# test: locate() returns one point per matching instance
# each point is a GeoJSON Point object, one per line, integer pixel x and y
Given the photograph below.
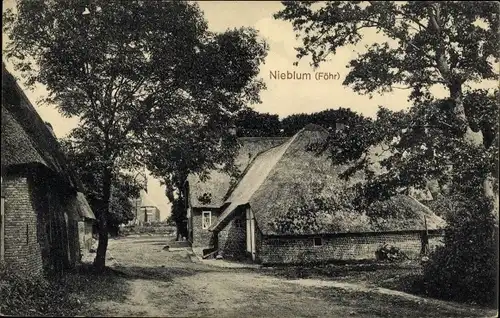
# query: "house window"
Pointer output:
{"type": "Point", "coordinates": [206, 219]}
{"type": "Point", "coordinates": [318, 241]}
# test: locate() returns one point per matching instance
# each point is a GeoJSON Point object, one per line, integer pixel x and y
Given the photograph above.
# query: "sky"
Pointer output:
{"type": "Point", "coordinates": [282, 97]}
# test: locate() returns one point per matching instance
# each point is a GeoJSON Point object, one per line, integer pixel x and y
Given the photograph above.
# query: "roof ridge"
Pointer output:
{"type": "Point", "coordinates": [26, 108]}
{"type": "Point", "coordinates": [312, 127]}
{"type": "Point", "coordinates": [226, 211]}
{"type": "Point", "coordinates": [424, 207]}
{"type": "Point", "coordinates": [250, 164]}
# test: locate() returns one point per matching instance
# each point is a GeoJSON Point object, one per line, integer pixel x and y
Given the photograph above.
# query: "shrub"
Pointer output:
{"type": "Point", "coordinates": [389, 253]}
{"type": "Point", "coordinates": [464, 268]}
{"type": "Point", "coordinates": [33, 295]}
{"type": "Point", "coordinates": [154, 228]}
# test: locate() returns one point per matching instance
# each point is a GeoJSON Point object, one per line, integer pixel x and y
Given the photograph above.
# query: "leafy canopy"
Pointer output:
{"type": "Point", "coordinates": [426, 43]}
{"type": "Point", "coordinates": [124, 186]}
{"type": "Point", "coordinates": [132, 65]}
{"type": "Point", "coordinates": [139, 75]}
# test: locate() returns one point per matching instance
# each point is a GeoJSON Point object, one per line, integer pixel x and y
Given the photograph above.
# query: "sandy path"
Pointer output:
{"type": "Point", "coordinates": [170, 284]}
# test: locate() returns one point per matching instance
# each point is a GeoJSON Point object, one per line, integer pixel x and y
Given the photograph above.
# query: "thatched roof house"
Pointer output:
{"type": "Point", "coordinates": [38, 184]}
{"type": "Point", "coordinates": [284, 179]}
{"type": "Point", "coordinates": [218, 184]}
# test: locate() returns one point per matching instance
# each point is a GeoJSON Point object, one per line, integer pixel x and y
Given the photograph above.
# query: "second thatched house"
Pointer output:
{"type": "Point", "coordinates": [258, 217]}
{"type": "Point", "coordinates": [46, 222]}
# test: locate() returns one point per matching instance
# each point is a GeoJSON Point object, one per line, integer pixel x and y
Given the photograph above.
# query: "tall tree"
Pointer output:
{"type": "Point", "coordinates": [328, 119]}
{"type": "Point", "coordinates": [129, 70]}
{"type": "Point", "coordinates": [251, 123]}
{"type": "Point", "coordinates": [200, 138]}
{"type": "Point", "coordinates": [449, 144]}
{"type": "Point", "coordinates": [124, 186]}
{"type": "Point", "coordinates": [446, 43]}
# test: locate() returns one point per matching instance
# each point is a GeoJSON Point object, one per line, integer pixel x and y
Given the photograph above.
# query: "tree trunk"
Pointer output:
{"type": "Point", "coordinates": [178, 231]}
{"type": "Point", "coordinates": [100, 259]}
{"type": "Point", "coordinates": [475, 139]}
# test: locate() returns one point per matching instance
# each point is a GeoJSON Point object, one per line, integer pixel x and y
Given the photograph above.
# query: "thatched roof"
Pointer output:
{"type": "Point", "coordinates": [27, 140]}
{"type": "Point", "coordinates": [17, 146]}
{"type": "Point", "coordinates": [29, 124]}
{"type": "Point", "coordinates": [281, 178]}
{"type": "Point", "coordinates": [82, 206]}
{"type": "Point", "coordinates": [219, 183]}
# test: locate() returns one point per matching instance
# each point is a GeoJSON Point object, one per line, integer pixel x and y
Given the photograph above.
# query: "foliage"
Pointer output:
{"type": "Point", "coordinates": [315, 212]}
{"type": "Point", "coordinates": [420, 39]}
{"type": "Point", "coordinates": [157, 228]}
{"type": "Point", "coordinates": [405, 140]}
{"type": "Point", "coordinates": [30, 295]}
{"type": "Point", "coordinates": [466, 267]}
{"type": "Point", "coordinates": [251, 123]}
{"type": "Point", "coordinates": [170, 220]}
{"type": "Point", "coordinates": [254, 124]}
{"type": "Point", "coordinates": [124, 187]}
{"type": "Point", "coordinates": [145, 78]}
{"type": "Point", "coordinates": [442, 205]}
{"type": "Point", "coordinates": [426, 54]}
{"type": "Point", "coordinates": [390, 253]}
{"type": "Point", "coordinates": [67, 294]}
{"type": "Point", "coordinates": [327, 119]}
{"type": "Point", "coordinates": [451, 143]}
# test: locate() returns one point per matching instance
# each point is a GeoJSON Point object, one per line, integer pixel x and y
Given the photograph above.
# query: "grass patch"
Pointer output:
{"type": "Point", "coordinates": [366, 272]}
{"type": "Point", "coordinates": [405, 276]}
{"type": "Point", "coordinates": [69, 294]}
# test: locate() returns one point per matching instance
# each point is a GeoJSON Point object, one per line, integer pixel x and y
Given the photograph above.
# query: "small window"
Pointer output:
{"type": "Point", "coordinates": [318, 241]}
{"type": "Point", "coordinates": [206, 220]}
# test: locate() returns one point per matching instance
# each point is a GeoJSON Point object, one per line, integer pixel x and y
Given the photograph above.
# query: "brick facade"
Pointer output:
{"type": "Point", "coordinates": [232, 244]}
{"type": "Point", "coordinates": [258, 244]}
{"type": "Point", "coordinates": [334, 248]}
{"type": "Point", "coordinates": [40, 227]}
{"type": "Point", "coordinates": [232, 239]}
{"type": "Point", "coordinates": [22, 249]}
{"type": "Point", "coordinates": [202, 237]}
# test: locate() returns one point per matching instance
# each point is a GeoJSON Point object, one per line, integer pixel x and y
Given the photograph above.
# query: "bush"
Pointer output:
{"type": "Point", "coordinates": [390, 253]}
{"type": "Point", "coordinates": [465, 268]}
{"type": "Point", "coordinates": [33, 295]}
{"type": "Point", "coordinates": [153, 228]}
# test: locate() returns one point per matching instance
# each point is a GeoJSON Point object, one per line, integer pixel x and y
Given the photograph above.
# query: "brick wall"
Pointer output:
{"type": "Point", "coordinates": [22, 248]}
{"type": "Point", "coordinates": [202, 237]}
{"type": "Point", "coordinates": [258, 244]}
{"type": "Point", "coordinates": [232, 239]}
{"type": "Point", "coordinates": [302, 249]}
{"type": "Point", "coordinates": [40, 228]}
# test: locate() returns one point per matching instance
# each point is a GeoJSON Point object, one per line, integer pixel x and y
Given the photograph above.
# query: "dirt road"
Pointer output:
{"type": "Point", "coordinates": [174, 284]}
